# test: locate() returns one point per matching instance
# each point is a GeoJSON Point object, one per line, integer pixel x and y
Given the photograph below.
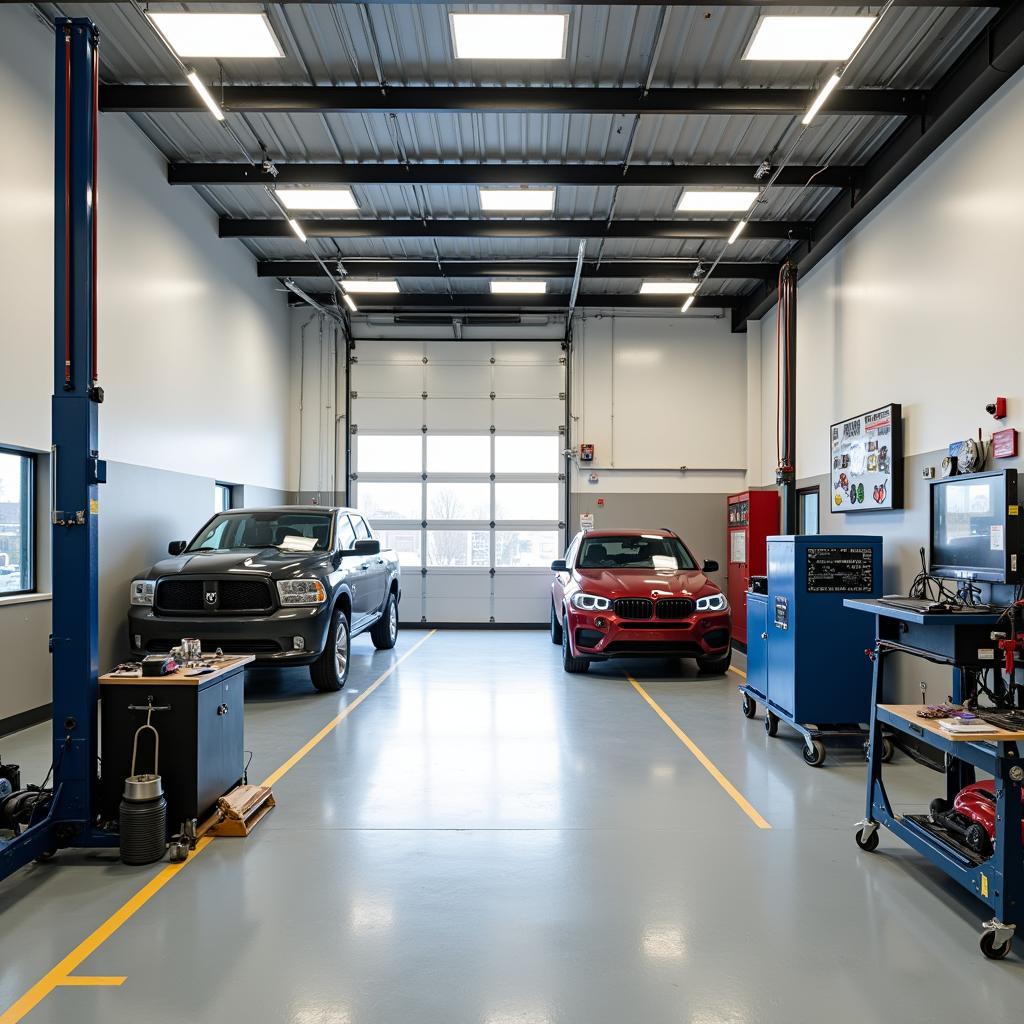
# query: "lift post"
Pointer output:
{"type": "Point", "coordinates": [68, 817]}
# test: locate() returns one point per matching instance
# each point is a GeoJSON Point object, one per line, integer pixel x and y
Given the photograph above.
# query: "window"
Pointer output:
{"type": "Point", "coordinates": [346, 535]}
{"type": "Point", "coordinates": [634, 552]}
{"type": "Point", "coordinates": [223, 499]}
{"type": "Point", "coordinates": [287, 530]}
{"type": "Point", "coordinates": [527, 454]}
{"type": "Point", "coordinates": [388, 453]}
{"type": "Point", "coordinates": [359, 525]}
{"type": "Point", "coordinates": [458, 453]}
{"type": "Point", "coordinates": [16, 545]}
{"type": "Point", "coordinates": [807, 510]}
{"type": "Point", "coordinates": [386, 500]}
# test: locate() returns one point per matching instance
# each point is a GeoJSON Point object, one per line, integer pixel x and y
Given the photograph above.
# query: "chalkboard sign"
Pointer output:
{"type": "Point", "coordinates": [840, 570]}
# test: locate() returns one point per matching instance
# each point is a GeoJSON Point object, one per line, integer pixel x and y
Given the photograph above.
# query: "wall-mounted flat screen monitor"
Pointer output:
{"type": "Point", "coordinates": [976, 532]}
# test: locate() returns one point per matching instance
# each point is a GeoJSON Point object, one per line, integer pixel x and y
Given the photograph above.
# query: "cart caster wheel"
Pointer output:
{"type": "Point", "coordinates": [178, 852]}
{"type": "Point", "coordinates": [938, 806]}
{"type": "Point", "coordinates": [870, 844]}
{"type": "Point", "coordinates": [991, 950]}
{"type": "Point", "coordinates": [977, 840]}
{"type": "Point", "coordinates": [888, 749]}
{"type": "Point", "coordinates": [46, 856]}
{"type": "Point", "coordinates": [814, 755]}
{"type": "Point", "coordinates": [749, 707]}
{"type": "Point", "coordinates": [771, 723]}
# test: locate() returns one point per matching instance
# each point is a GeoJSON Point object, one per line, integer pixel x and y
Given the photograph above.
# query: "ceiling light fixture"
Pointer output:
{"type": "Point", "coordinates": [196, 82]}
{"type": "Point", "coordinates": [509, 36]}
{"type": "Point", "coordinates": [688, 303]}
{"type": "Point", "coordinates": [519, 287]}
{"type": "Point", "coordinates": [519, 200]}
{"type": "Point", "coordinates": [350, 302]}
{"type": "Point", "coordinates": [318, 198]}
{"type": "Point", "coordinates": [297, 228]}
{"type": "Point", "coordinates": [787, 37]}
{"type": "Point", "coordinates": [370, 286]}
{"type": "Point", "coordinates": [668, 287]}
{"type": "Point", "coordinates": [819, 100]}
{"type": "Point", "coordinates": [192, 34]}
{"type": "Point", "coordinates": [736, 231]}
{"type": "Point", "coordinates": [734, 200]}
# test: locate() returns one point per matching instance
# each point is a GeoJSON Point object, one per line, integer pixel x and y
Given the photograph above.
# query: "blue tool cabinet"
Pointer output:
{"type": "Point", "coordinates": [806, 660]}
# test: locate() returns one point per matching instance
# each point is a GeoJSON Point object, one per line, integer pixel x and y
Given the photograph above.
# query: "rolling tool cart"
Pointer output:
{"type": "Point", "coordinates": [752, 517]}
{"type": "Point", "coordinates": [805, 651]}
{"type": "Point", "coordinates": [965, 642]}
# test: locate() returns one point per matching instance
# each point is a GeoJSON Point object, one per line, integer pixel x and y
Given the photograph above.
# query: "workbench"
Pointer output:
{"type": "Point", "coordinates": [961, 640]}
{"type": "Point", "coordinates": [200, 721]}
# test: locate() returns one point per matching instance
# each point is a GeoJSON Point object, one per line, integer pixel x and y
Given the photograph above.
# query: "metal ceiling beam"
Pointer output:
{"type": "Point", "coordinates": [649, 270]}
{"type": "Point", "coordinates": [995, 55]}
{"type": "Point", "coordinates": [787, 4]}
{"type": "Point", "coordinates": [316, 99]}
{"type": "Point", "coordinates": [441, 300]}
{"type": "Point", "coordinates": [676, 175]}
{"type": "Point", "coordinates": [232, 227]}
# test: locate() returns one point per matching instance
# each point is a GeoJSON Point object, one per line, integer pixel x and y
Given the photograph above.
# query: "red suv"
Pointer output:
{"type": "Point", "coordinates": [637, 593]}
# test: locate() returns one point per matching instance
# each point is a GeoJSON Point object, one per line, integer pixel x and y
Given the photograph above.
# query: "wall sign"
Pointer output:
{"type": "Point", "coordinates": [840, 570]}
{"type": "Point", "coordinates": [866, 460]}
{"type": "Point", "coordinates": [586, 521]}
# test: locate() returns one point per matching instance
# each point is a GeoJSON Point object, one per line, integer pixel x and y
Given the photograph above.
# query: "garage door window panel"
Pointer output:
{"type": "Point", "coordinates": [459, 549]}
{"type": "Point", "coordinates": [390, 454]}
{"type": "Point", "coordinates": [458, 500]}
{"type": "Point", "coordinates": [525, 549]}
{"type": "Point", "coordinates": [383, 500]}
{"type": "Point", "coordinates": [458, 453]}
{"type": "Point", "coordinates": [527, 502]}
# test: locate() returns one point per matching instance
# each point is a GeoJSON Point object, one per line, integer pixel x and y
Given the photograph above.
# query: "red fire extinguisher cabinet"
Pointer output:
{"type": "Point", "coordinates": [752, 518]}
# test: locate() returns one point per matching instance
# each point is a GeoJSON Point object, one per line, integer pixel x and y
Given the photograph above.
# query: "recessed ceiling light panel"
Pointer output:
{"type": "Point", "coordinates": [509, 36]}
{"type": "Point", "coordinates": [210, 34]}
{"type": "Point", "coordinates": [734, 200]}
{"type": "Point", "coordinates": [369, 286]}
{"type": "Point", "coordinates": [815, 38]}
{"type": "Point", "coordinates": [317, 198]}
{"type": "Point", "coordinates": [668, 287]}
{"type": "Point", "coordinates": [519, 287]}
{"type": "Point", "coordinates": [517, 200]}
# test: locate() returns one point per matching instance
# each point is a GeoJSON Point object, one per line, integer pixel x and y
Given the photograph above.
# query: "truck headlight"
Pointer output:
{"type": "Point", "coordinates": [292, 592]}
{"type": "Point", "coordinates": [712, 603]}
{"type": "Point", "coordinates": [589, 602]}
{"type": "Point", "coordinates": [142, 592]}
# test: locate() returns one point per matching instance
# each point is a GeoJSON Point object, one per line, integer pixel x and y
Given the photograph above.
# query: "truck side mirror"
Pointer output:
{"type": "Point", "coordinates": [710, 565]}
{"type": "Point", "coordinates": [176, 547]}
{"type": "Point", "coordinates": [366, 546]}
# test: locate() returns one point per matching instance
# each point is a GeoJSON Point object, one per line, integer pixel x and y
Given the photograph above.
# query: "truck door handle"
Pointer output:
{"type": "Point", "coordinates": [380, 561]}
{"type": "Point", "coordinates": [365, 565]}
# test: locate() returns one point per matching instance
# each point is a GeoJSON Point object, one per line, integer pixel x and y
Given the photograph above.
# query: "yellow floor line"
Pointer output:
{"type": "Point", "coordinates": [738, 671]}
{"type": "Point", "coordinates": [91, 979]}
{"type": "Point", "coordinates": [61, 974]}
{"type": "Point", "coordinates": [741, 801]}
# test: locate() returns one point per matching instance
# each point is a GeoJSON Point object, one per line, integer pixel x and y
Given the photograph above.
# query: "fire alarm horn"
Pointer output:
{"type": "Point", "coordinates": [997, 409]}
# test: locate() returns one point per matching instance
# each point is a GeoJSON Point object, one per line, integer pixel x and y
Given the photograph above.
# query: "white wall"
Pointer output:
{"type": "Point", "coordinates": [193, 347]}
{"type": "Point", "coordinates": [659, 393]}
{"type": "Point", "coordinates": [920, 305]}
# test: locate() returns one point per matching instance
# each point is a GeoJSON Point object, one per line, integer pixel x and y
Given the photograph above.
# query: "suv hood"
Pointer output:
{"type": "Point", "coordinates": [270, 562]}
{"type": "Point", "coordinates": [646, 583]}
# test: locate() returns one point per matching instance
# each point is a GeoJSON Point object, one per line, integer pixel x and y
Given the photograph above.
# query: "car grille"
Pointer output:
{"type": "Point", "coordinates": [634, 608]}
{"type": "Point", "coordinates": [679, 648]}
{"type": "Point", "coordinates": [674, 608]}
{"type": "Point", "coordinates": [187, 595]}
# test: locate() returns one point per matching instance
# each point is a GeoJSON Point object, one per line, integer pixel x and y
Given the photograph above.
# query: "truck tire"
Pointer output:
{"type": "Point", "coordinates": [385, 630]}
{"type": "Point", "coordinates": [330, 671]}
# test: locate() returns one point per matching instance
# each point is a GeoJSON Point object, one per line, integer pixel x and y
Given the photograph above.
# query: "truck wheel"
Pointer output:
{"type": "Point", "coordinates": [716, 666]}
{"type": "Point", "coordinates": [330, 671]}
{"type": "Point", "coordinates": [556, 629]}
{"type": "Point", "coordinates": [385, 631]}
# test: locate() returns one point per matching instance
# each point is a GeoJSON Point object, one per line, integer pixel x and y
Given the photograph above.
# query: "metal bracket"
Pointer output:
{"type": "Point", "coordinates": [1001, 933]}
{"type": "Point", "coordinates": [867, 828]}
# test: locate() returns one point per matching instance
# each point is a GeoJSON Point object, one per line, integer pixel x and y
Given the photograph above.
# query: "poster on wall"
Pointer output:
{"type": "Point", "coordinates": [866, 457]}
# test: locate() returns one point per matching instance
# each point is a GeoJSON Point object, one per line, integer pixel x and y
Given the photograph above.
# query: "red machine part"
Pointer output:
{"type": "Point", "coordinates": [751, 518]}
{"type": "Point", "coordinates": [978, 802]}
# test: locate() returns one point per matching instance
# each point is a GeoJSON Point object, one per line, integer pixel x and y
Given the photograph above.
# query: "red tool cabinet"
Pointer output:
{"type": "Point", "coordinates": [753, 517]}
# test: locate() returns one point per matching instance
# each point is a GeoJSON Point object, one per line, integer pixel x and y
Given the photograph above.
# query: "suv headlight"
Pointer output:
{"type": "Point", "coordinates": [293, 592]}
{"type": "Point", "coordinates": [712, 603]}
{"type": "Point", "coordinates": [589, 602]}
{"type": "Point", "coordinates": [142, 591]}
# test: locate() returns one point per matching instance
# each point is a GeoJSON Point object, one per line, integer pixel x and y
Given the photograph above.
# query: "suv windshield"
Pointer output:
{"type": "Point", "coordinates": [296, 531]}
{"type": "Point", "coordinates": [648, 551]}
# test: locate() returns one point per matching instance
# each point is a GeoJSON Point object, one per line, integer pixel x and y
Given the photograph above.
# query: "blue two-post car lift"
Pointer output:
{"type": "Point", "coordinates": [998, 880]}
{"type": "Point", "coordinates": [67, 817]}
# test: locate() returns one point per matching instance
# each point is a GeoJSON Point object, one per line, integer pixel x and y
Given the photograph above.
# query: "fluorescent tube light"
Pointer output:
{"type": "Point", "coordinates": [509, 36]}
{"type": "Point", "coordinates": [734, 200]}
{"type": "Point", "coordinates": [350, 302]}
{"type": "Point", "coordinates": [218, 35]}
{"type": "Point", "coordinates": [521, 200]}
{"type": "Point", "coordinates": [819, 100]}
{"type": "Point", "coordinates": [688, 303]}
{"type": "Point", "coordinates": [518, 287]}
{"type": "Point", "coordinates": [297, 228]}
{"type": "Point", "coordinates": [369, 286]}
{"type": "Point", "coordinates": [204, 94]}
{"type": "Point", "coordinates": [787, 37]}
{"type": "Point", "coordinates": [668, 287]}
{"type": "Point", "coordinates": [736, 231]}
{"type": "Point", "coordinates": [318, 198]}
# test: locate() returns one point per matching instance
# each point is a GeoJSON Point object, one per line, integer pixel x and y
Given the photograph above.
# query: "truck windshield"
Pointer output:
{"type": "Point", "coordinates": [296, 531]}
{"type": "Point", "coordinates": [648, 551]}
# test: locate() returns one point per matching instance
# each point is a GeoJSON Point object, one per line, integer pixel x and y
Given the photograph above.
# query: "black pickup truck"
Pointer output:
{"type": "Point", "coordinates": [290, 585]}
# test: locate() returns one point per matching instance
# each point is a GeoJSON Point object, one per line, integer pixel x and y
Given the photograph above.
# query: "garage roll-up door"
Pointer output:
{"type": "Point", "coordinates": [457, 462]}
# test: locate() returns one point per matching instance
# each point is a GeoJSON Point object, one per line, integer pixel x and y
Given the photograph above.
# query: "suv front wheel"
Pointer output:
{"type": "Point", "coordinates": [330, 671]}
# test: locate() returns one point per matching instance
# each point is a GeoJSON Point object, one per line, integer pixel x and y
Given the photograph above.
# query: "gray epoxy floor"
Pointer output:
{"type": "Point", "coordinates": [488, 841]}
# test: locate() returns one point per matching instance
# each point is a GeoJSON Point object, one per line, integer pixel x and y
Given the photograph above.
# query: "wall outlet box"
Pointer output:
{"type": "Point", "coordinates": [928, 473]}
